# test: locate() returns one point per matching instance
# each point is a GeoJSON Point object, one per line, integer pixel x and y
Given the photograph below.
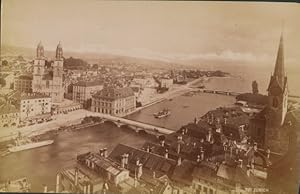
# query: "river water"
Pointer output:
{"type": "Point", "coordinates": [40, 165]}
{"type": "Point", "coordinates": [183, 109]}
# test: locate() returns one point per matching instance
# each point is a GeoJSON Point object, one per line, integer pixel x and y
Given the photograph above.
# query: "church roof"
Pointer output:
{"type": "Point", "coordinates": [278, 78]}
{"type": "Point", "coordinates": [279, 65]}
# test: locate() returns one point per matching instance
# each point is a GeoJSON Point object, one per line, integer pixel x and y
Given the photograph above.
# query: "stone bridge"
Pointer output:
{"type": "Point", "coordinates": [228, 93]}
{"type": "Point", "coordinates": [135, 125]}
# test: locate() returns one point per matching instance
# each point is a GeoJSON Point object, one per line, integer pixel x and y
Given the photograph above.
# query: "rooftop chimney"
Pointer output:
{"type": "Point", "coordinates": [198, 158]}
{"type": "Point", "coordinates": [76, 177]}
{"type": "Point", "coordinates": [45, 189]}
{"type": "Point", "coordinates": [167, 153]}
{"type": "Point", "coordinates": [139, 170]}
{"type": "Point", "coordinates": [105, 152]}
{"type": "Point", "coordinates": [240, 163]}
{"type": "Point", "coordinates": [179, 161]}
{"type": "Point", "coordinates": [57, 183]}
{"type": "Point", "coordinates": [268, 153]}
{"type": "Point", "coordinates": [202, 154]}
{"type": "Point", "coordinates": [225, 120]}
{"type": "Point", "coordinates": [178, 147]}
{"type": "Point", "coordinates": [101, 152]}
{"type": "Point", "coordinates": [153, 174]}
{"type": "Point", "coordinates": [123, 161]}
{"type": "Point", "coordinates": [162, 143]}
{"type": "Point", "coordinates": [126, 159]}
{"type": "Point", "coordinates": [148, 149]}
{"type": "Point", "coordinates": [248, 170]}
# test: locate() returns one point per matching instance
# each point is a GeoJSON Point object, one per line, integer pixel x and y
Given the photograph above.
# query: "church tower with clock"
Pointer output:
{"type": "Point", "coordinates": [38, 68]}
{"type": "Point", "coordinates": [58, 74]}
{"type": "Point", "coordinates": [275, 133]}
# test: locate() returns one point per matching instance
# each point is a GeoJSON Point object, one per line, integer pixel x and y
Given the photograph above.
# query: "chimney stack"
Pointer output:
{"type": "Point", "coordinates": [179, 161]}
{"type": "Point", "coordinates": [240, 162]}
{"type": "Point", "coordinates": [139, 170]}
{"type": "Point", "coordinates": [123, 161]}
{"type": "Point", "coordinates": [45, 189]}
{"type": "Point", "coordinates": [268, 153]}
{"type": "Point", "coordinates": [126, 159]}
{"type": "Point", "coordinates": [225, 120]}
{"type": "Point", "coordinates": [153, 174]}
{"type": "Point", "coordinates": [105, 152]}
{"type": "Point", "coordinates": [148, 149]}
{"type": "Point", "coordinates": [167, 153]}
{"type": "Point", "coordinates": [57, 183]}
{"type": "Point", "coordinates": [198, 159]}
{"type": "Point", "coordinates": [76, 177]}
{"type": "Point", "coordinates": [202, 154]}
{"type": "Point", "coordinates": [248, 170]}
{"type": "Point", "coordinates": [101, 152]}
{"type": "Point", "coordinates": [178, 147]}
{"type": "Point", "coordinates": [162, 143]}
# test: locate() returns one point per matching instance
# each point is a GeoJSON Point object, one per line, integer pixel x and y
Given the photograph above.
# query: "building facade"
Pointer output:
{"type": "Point", "coordinates": [166, 83]}
{"type": "Point", "coordinates": [35, 107]}
{"type": "Point", "coordinates": [49, 80]}
{"type": "Point", "coordinates": [83, 91]}
{"type": "Point", "coordinates": [23, 83]}
{"type": "Point", "coordinates": [9, 116]}
{"type": "Point", "coordinates": [114, 101]}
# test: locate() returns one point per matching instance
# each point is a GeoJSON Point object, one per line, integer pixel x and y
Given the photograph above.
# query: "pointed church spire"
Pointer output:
{"type": "Point", "coordinates": [279, 72]}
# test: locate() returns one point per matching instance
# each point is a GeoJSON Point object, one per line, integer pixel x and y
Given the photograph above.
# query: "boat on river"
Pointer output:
{"type": "Point", "coordinates": [161, 114]}
{"type": "Point", "coordinates": [25, 143]}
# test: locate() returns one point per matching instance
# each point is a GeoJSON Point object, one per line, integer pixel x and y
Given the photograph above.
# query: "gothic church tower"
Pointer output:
{"type": "Point", "coordinates": [275, 134]}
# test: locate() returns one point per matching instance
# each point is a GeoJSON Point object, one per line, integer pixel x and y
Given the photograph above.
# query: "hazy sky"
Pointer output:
{"type": "Point", "coordinates": [165, 30]}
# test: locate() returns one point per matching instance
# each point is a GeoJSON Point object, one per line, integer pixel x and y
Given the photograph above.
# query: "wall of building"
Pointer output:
{"type": "Point", "coordinates": [34, 107]}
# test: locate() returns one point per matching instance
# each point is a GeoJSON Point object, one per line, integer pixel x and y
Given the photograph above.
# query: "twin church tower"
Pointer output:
{"type": "Point", "coordinates": [49, 80]}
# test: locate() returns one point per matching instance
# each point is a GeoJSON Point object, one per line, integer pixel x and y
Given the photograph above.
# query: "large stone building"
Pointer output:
{"type": "Point", "coordinates": [114, 101]}
{"type": "Point", "coordinates": [35, 107]}
{"type": "Point", "coordinates": [49, 80]}
{"type": "Point", "coordinates": [9, 115]}
{"type": "Point", "coordinates": [23, 83]}
{"type": "Point", "coordinates": [83, 91]}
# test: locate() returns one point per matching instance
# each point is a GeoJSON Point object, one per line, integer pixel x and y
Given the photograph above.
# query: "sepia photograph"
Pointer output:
{"type": "Point", "coordinates": [150, 97]}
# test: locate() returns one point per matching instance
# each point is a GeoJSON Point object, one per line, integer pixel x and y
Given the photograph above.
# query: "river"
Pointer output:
{"type": "Point", "coordinates": [183, 109]}
{"type": "Point", "coordinates": [40, 165]}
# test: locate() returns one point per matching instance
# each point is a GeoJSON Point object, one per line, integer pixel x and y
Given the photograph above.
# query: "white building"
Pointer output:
{"type": "Point", "coordinates": [166, 82]}
{"type": "Point", "coordinates": [35, 107]}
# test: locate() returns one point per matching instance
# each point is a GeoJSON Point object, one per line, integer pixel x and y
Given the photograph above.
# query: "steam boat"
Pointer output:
{"type": "Point", "coordinates": [23, 143]}
{"type": "Point", "coordinates": [161, 114]}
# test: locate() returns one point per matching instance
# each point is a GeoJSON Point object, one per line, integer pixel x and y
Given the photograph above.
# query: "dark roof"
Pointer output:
{"type": "Point", "coordinates": [114, 93]}
{"type": "Point", "coordinates": [182, 173]}
{"type": "Point", "coordinates": [238, 175]}
{"type": "Point", "coordinates": [88, 83]}
{"type": "Point", "coordinates": [151, 162]}
{"type": "Point", "coordinates": [8, 108]}
{"type": "Point", "coordinates": [25, 96]}
{"type": "Point", "coordinates": [25, 77]}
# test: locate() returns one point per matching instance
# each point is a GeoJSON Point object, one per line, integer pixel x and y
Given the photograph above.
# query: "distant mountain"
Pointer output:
{"type": "Point", "coordinates": [90, 57]}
